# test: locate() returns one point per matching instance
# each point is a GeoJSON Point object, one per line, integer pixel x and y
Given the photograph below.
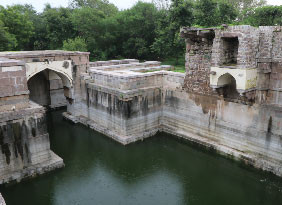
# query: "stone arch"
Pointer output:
{"type": "Point", "coordinates": [61, 68]}
{"type": "Point", "coordinates": [227, 86]}
{"type": "Point", "coordinates": [45, 92]}
{"type": "Point", "coordinates": [67, 81]}
{"type": "Point", "coordinates": [225, 79]}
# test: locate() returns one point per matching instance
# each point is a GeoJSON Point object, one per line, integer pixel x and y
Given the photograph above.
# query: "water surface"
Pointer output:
{"type": "Point", "coordinates": [159, 170]}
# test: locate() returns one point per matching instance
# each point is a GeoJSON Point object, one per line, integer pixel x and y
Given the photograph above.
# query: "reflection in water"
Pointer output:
{"type": "Point", "coordinates": [159, 170]}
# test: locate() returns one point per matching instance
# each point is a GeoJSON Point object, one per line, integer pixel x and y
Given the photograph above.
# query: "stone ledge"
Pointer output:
{"type": "Point", "coordinates": [32, 171]}
{"type": "Point", "coordinates": [45, 53]}
{"type": "Point", "coordinates": [125, 140]}
{"type": "Point", "coordinates": [33, 108]}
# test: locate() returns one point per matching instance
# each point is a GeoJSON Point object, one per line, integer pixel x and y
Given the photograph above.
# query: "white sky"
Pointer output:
{"type": "Point", "coordinates": [121, 4]}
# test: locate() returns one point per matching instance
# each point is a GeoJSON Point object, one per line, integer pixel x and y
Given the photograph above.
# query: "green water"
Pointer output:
{"type": "Point", "coordinates": [159, 170]}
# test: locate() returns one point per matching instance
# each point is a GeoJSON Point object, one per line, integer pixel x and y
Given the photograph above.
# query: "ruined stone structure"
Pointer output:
{"type": "Point", "coordinates": [50, 74]}
{"type": "Point", "coordinates": [24, 140]}
{"type": "Point", "coordinates": [229, 99]}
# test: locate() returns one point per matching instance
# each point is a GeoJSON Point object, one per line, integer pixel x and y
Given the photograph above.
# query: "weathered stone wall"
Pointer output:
{"type": "Point", "coordinates": [270, 67]}
{"type": "Point", "coordinates": [2, 201]}
{"type": "Point", "coordinates": [248, 38]}
{"type": "Point", "coordinates": [248, 133]}
{"type": "Point", "coordinates": [79, 64]}
{"type": "Point", "coordinates": [24, 141]}
{"type": "Point", "coordinates": [13, 87]}
{"type": "Point", "coordinates": [57, 96]}
{"type": "Point", "coordinates": [198, 62]}
{"type": "Point", "coordinates": [25, 144]}
{"type": "Point", "coordinates": [131, 106]}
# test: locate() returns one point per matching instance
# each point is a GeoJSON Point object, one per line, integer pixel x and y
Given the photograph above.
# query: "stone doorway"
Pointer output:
{"type": "Point", "coordinates": [230, 51]}
{"type": "Point", "coordinates": [227, 87]}
{"type": "Point", "coordinates": [46, 88]}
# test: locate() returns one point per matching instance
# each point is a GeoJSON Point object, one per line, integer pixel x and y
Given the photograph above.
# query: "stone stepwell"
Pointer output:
{"type": "Point", "coordinates": [229, 99]}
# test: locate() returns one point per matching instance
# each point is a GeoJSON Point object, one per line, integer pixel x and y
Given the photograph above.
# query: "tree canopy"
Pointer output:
{"type": "Point", "coordinates": [145, 31]}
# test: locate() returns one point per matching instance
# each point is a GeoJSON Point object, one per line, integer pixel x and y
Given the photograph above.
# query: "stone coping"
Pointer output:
{"type": "Point", "coordinates": [54, 162]}
{"type": "Point", "coordinates": [6, 62]}
{"type": "Point", "coordinates": [131, 74]}
{"type": "Point", "coordinates": [46, 53]}
{"type": "Point", "coordinates": [15, 114]}
{"type": "Point", "coordinates": [124, 65]}
{"type": "Point", "coordinates": [133, 91]}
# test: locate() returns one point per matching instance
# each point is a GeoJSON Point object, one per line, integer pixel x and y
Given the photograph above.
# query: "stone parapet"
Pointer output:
{"type": "Point", "coordinates": [12, 78]}
{"type": "Point", "coordinates": [40, 54]}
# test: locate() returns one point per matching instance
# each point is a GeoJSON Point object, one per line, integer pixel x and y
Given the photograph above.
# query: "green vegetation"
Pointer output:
{"type": "Point", "coordinates": [147, 31]}
{"type": "Point", "coordinates": [178, 63]}
{"type": "Point", "coordinates": [77, 44]}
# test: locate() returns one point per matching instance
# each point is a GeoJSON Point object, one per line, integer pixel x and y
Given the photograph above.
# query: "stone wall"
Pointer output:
{"type": "Point", "coordinates": [2, 201]}
{"type": "Point", "coordinates": [248, 38]}
{"type": "Point", "coordinates": [24, 141]}
{"type": "Point", "coordinates": [198, 62]}
{"type": "Point", "coordinates": [25, 144]}
{"type": "Point", "coordinates": [57, 96]}
{"type": "Point", "coordinates": [127, 105]}
{"type": "Point", "coordinates": [127, 114]}
{"type": "Point", "coordinates": [270, 66]}
{"type": "Point", "coordinates": [79, 64]}
{"type": "Point", "coordinates": [13, 87]}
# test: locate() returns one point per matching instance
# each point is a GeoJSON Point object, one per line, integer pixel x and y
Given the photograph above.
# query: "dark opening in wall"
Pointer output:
{"type": "Point", "coordinates": [230, 51]}
{"type": "Point", "coordinates": [39, 88]}
{"type": "Point", "coordinates": [228, 87]}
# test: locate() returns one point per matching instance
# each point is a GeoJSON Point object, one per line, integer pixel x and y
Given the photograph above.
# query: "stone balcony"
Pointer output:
{"type": "Point", "coordinates": [245, 79]}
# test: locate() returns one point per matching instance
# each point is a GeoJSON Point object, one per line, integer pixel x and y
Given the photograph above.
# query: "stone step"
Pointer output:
{"type": "Point", "coordinates": [112, 62]}
{"type": "Point", "coordinates": [127, 66]}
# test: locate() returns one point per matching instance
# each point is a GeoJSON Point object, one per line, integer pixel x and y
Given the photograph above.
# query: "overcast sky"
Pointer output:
{"type": "Point", "coordinates": [121, 4]}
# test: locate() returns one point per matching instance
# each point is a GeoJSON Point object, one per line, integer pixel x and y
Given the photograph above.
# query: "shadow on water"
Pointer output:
{"type": "Point", "coordinates": [159, 170]}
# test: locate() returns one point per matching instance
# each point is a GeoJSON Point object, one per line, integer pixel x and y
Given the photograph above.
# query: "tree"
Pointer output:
{"type": "Point", "coordinates": [265, 16]}
{"type": "Point", "coordinates": [168, 42]}
{"type": "Point", "coordinates": [101, 5]}
{"type": "Point", "coordinates": [56, 26]}
{"type": "Point", "coordinates": [162, 4]}
{"type": "Point", "coordinates": [246, 4]}
{"type": "Point", "coordinates": [137, 30]}
{"type": "Point", "coordinates": [226, 13]}
{"type": "Point", "coordinates": [7, 41]}
{"type": "Point", "coordinates": [211, 13]}
{"type": "Point", "coordinates": [18, 25]}
{"type": "Point", "coordinates": [77, 44]}
{"type": "Point", "coordinates": [88, 24]}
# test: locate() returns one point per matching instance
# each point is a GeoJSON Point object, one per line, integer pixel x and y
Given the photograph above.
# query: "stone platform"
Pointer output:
{"type": "Point", "coordinates": [133, 101]}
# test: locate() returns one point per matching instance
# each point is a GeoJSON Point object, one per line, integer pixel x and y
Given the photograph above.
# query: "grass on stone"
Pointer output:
{"type": "Point", "coordinates": [178, 63]}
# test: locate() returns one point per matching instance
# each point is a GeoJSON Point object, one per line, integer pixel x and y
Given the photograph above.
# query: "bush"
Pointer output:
{"type": "Point", "coordinates": [77, 44]}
